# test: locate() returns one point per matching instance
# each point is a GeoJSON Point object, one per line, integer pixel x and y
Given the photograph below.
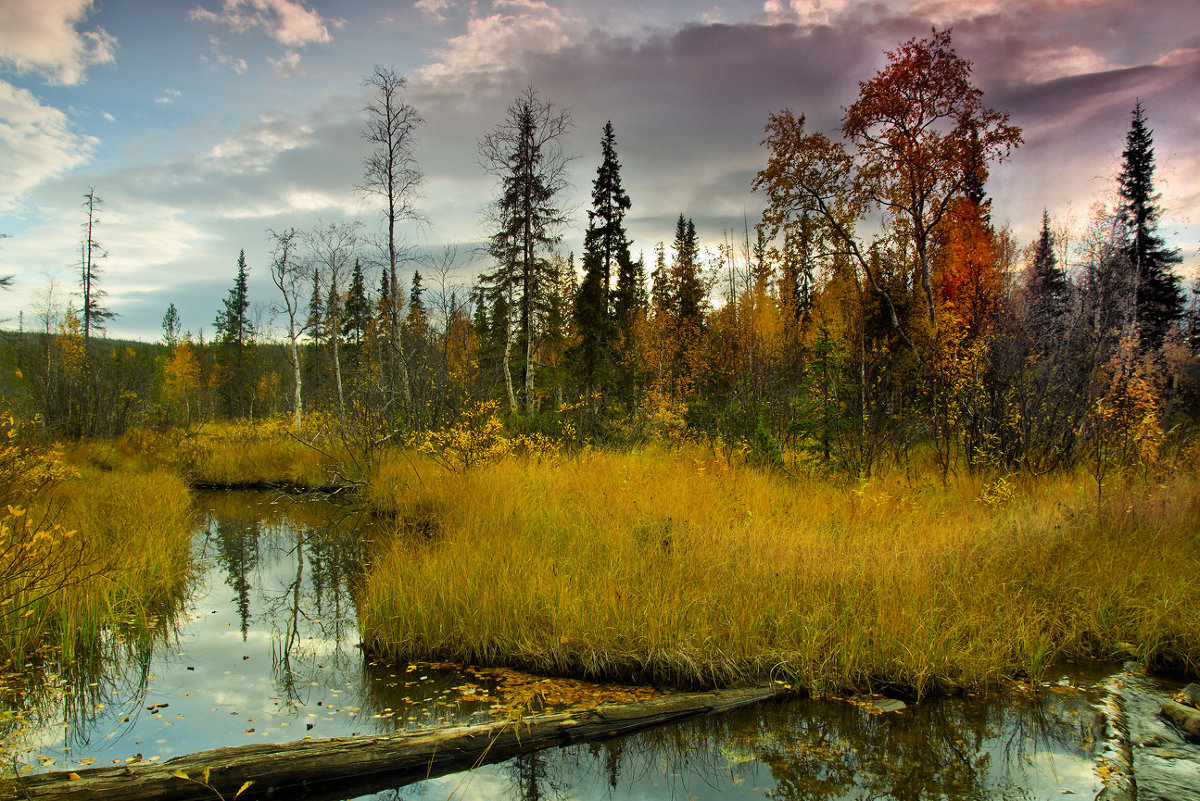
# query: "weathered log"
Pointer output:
{"type": "Point", "coordinates": [1186, 718]}
{"type": "Point", "coordinates": [341, 767]}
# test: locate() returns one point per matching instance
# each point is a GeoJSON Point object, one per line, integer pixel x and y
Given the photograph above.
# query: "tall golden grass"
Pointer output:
{"type": "Point", "coordinates": [117, 555]}
{"type": "Point", "coordinates": [685, 569]}
{"type": "Point", "coordinates": [231, 454]}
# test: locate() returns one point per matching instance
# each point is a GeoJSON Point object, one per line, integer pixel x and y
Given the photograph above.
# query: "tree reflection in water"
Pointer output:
{"type": "Point", "coordinates": [309, 605]}
{"type": "Point", "coordinates": [1004, 746]}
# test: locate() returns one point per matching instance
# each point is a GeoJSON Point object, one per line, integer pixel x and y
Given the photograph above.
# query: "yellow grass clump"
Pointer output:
{"type": "Point", "coordinates": [233, 454]}
{"type": "Point", "coordinates": [684, 569]}
{"type": "Point", "coordinates": [99, 550]}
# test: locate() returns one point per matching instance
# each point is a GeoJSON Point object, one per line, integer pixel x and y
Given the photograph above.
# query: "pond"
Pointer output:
{"type": "Point", "coordinates": [265, 648]}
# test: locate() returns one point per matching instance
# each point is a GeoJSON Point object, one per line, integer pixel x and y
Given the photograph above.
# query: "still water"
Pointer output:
{"type": "Point", "coordinates": [265, 647]}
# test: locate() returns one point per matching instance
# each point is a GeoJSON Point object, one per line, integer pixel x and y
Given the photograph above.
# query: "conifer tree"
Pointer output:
{"type": "Point", "coordinates": [598, 311]}
{"type": "Point", "coordinates": [416, 302]}
{"type": "Point", "coordinates": [357, 308]}
{"type": "Point", "coordinates": [662, 296]}
{"type": "Point", "coordinates": [416, 323]}
{"type": "Point", "coordinates": [94, 313]}
{"type": "Point", "coordinates": [234, 338]}
{"type": "Point", "coordinates": [316, 309]}
{"type": "Point", "coordinates": [1159, 302]}
{"type": "Point", "coordinates": [525, 153]}
{"type": "Point", "coordinates": [1048, 287]}
{"type": "Point", "coordinates": [171, 326]}
{"type": "Point", "coordinates": [689, 289]}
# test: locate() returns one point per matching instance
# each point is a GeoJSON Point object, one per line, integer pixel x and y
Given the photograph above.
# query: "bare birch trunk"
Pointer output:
{"type": "Point", "coordinates": [508, 381]}
{"type": "Point", "coordinates": [296, 402]}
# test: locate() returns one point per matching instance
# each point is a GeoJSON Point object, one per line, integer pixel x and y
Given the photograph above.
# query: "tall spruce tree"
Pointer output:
{"type": "Point", "coordinates": [689, 288]}
{"type": "Point", "coordinates": [416, 300]}
{"type": "Point", "coordinates": [598, 311]}
{"type": "Point", "coordinates": [525, 153]}
{"type": "Point", "coordinates": [234, 339]}
{"type": "Point", "coordinates": [1158, 300]}
{"type": "Point", "coordinates": [95, 314]}
{"type": "Point", "coordinates": [1047, 285]}
{"type": "Point", "coordinates": [358, 307]}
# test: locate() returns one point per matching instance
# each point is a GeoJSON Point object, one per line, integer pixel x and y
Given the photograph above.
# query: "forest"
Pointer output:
{"type": "Point", "coordinates": [873, 310]}
{"type": "Point", "coordinates": [873, 340]}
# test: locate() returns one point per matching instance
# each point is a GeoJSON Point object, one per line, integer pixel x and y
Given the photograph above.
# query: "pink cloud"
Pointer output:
{"type": "Point", "coordinates": [288, 22]}
{"type": "Point", "coordinates": [43, 36]}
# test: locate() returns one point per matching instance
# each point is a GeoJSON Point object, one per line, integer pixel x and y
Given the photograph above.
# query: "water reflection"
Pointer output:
{"type": "Point", "coordinates": [260, 644]}
{"type": "Point", "coordinates": [1007, 746]}
{"type": "Point", "coordinates": [292, 565]}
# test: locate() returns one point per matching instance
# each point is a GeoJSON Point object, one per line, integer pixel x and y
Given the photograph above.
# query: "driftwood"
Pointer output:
{"type": "Point", "coordinates": [341, 767]}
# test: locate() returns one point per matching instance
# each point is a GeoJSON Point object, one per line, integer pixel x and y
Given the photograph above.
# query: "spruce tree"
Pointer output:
{"type": "Point", "coordinates": [662, 290]}
{"type": "Point", "coordinates": [95, 314]}
{"type": "Point", "coordinates": [234, 337]}
{"type": "Point", "coordinates": [171, 326]}
{"type": "Point", "coordinates": [689, 300]}
{"type": "Point", "coordinates": [1158, 301]}
{"type": "Point", "coordinates": [316, 310]}
{"type": "Point", "coordinates": [524, 152]}
{"type": "Point", "coordinates": [1048, 287]}
{"type": "Point", "coordinates": [358, 307]}
{"type": "Point", "coordinates": [233, 321]}
{"type": "Point", "coordinates": [416, 302]}
{"type": "Point", "coordinates": [606, 219]}
{"type": "Point", "coordinates": [591, 355]}
{"type": "Point", "coordinates": [598, 311]}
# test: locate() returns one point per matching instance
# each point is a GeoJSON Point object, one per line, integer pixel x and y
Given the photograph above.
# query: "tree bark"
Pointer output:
{"type": "Point", "coordinates": [297, 402]}
{"type": "Point", "coordinates": [348, 766]}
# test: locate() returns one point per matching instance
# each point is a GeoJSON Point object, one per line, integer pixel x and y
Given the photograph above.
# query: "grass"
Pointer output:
{"type": "Point", "coordinates": [684, 569]}
{"type": "Point", "coordinates": [118, 557]}
{"type": "Point", "coordinates": [223, 455]}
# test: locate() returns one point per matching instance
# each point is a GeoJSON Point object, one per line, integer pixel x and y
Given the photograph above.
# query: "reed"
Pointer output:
{"type": "Point", "coordinates": [684, 568]}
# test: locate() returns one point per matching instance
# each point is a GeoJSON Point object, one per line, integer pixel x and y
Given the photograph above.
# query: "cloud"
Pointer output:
{"type": "Point", "coordinates": [1180, 57]}
{"type": "Point", "coordinates": [168, 97]}
{"type": "Point", "coordinates": [501, 42]}
{"type": "Point", "coordinates": [1051, 63]}
{"type": "Point", "coordinates": [219, 56]}
{"type": "Point", "coordinates": [289, 64]}
{"type": "Point", "coordinates": [42, 36]}
{"type": "Point", "coordinates": [38, 143]}
{"type": "Point", "coordinates": [286, 21]}
{"type": "Point", "coordinates": [434, 9]}
{"type": "Point", "coordinates": [804, 12]}
{"type": "Point", "coordinates": [934, 12]}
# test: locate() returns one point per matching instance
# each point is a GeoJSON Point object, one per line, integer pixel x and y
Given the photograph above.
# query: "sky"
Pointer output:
{"type": "Point", "coordinates": [204, 124]}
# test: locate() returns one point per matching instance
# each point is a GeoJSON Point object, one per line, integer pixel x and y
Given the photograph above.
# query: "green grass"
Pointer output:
{"type": "Point", "coordinates": [683, 569]}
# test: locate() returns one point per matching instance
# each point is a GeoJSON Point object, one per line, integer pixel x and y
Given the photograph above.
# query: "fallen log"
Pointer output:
{"type": "Point", "coordinates": [342, 767]}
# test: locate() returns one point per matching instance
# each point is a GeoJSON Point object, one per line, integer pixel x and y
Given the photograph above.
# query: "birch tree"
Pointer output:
{"type": "Point", "coordinates": [390, 172]}
{"type": "Point", "coordinates": [331, 249]}
{"type": "Point", "coordinates": [289, 277]}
